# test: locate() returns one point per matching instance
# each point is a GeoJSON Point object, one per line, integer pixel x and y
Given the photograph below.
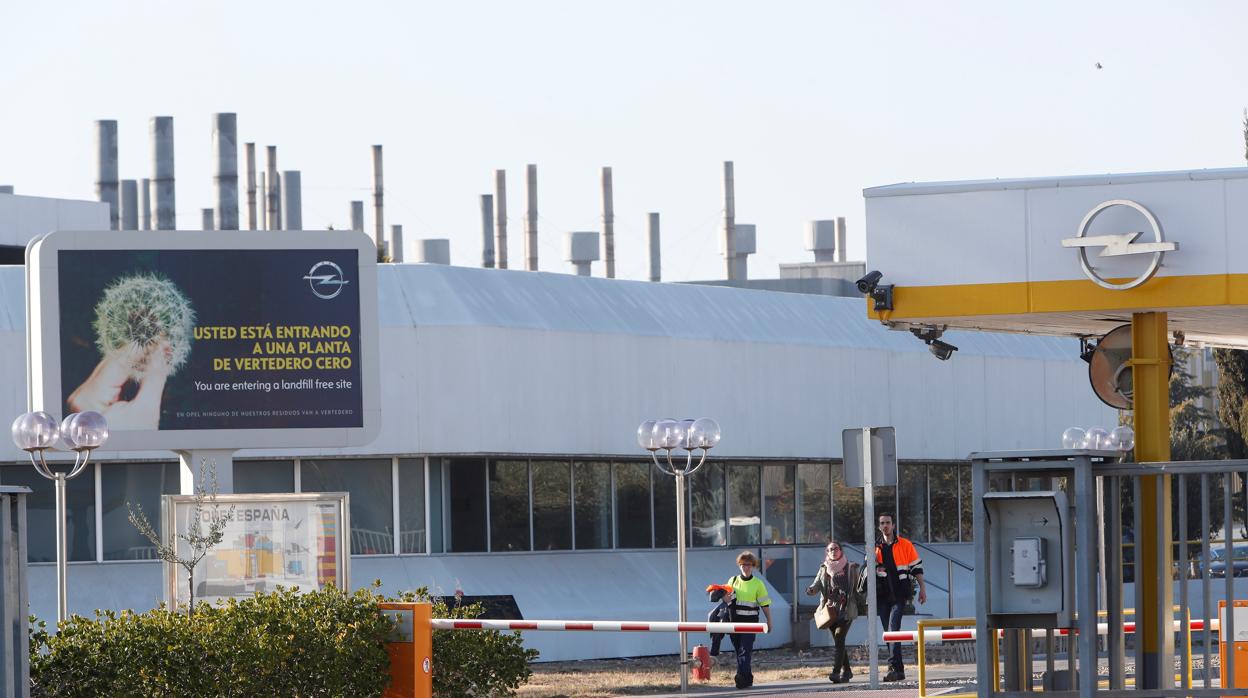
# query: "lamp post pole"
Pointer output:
{"type": "Point", "coordinates": [81, 432]}
{"type": "Point", "coordinates": [690, 435]}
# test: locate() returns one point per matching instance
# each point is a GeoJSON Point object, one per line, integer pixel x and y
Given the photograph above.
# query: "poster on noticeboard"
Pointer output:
{"type": "Point", "coordinates": [269, 541]}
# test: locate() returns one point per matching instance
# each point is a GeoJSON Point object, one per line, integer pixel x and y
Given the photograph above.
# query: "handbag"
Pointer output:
{"type": "Point", "coordinates": [826, 615]}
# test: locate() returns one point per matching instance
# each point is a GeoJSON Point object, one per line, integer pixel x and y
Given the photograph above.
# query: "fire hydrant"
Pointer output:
{"type": "Point", "coordinates": [701, 663]}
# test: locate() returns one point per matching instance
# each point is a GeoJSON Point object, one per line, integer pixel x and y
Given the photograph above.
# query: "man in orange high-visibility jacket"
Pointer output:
{"type": "Point", "coordinates": [896, 564]}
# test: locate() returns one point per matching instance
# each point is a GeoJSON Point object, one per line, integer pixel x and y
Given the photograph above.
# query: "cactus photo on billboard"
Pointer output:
{"type": "Point", "coordinates": [212, 339]}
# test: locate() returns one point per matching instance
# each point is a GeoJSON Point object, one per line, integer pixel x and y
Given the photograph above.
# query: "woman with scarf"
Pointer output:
{"type": "Point", "coordinates": [835, 586]}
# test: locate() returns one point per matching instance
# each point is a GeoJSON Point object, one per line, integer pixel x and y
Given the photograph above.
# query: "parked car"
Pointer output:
{"type": "Point", "coordinates": [1217, 561]}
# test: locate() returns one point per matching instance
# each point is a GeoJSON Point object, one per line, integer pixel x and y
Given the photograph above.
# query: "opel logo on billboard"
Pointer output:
{"type": "Point", "coordinates": [326, 280]}
{"type": "Point", "coordinates": [1120, 244]}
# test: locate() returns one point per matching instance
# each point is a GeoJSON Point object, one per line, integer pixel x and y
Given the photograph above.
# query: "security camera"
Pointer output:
{"type": "Point", "coordinates": [928, 333]}
{"type": "Point", "coordinates": [866, 285]}
{"type": "Point", "coordinates": [940, 349]}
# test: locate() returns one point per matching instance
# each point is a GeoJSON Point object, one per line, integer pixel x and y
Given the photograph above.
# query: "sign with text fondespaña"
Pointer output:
{"type": "Point", "coordinates": [222, 339]}
{"type": "Point", "coordinates": [269, 540]}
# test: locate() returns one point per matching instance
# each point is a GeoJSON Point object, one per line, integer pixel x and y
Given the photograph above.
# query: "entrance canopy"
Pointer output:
{"type": "Point", "coordinates": [1066, 255]}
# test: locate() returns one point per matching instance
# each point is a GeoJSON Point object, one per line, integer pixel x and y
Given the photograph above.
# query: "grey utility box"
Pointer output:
{"type": "Point", "coordinates": [14, 644]}
{"type": "Point", "coordinates": [1031, 549]}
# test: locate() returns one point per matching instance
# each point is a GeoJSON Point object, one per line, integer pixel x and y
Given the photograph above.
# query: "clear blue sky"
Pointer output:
{"type": "Point", "coordinates": [814, 101]}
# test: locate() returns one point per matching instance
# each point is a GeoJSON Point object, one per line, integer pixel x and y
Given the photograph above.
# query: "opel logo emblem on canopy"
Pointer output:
{"type": "Point", "coordinates": [1120, 244]}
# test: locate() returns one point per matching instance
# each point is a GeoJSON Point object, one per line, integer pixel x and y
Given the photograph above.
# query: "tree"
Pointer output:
{"type": "Point", "coordinates": [1233, 380]}
{"type": "Point", "coordinates": [199, 541]}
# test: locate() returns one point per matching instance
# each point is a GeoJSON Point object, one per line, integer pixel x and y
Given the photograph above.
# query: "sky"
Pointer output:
{"type": "Point", "coordinates": [812, 101]}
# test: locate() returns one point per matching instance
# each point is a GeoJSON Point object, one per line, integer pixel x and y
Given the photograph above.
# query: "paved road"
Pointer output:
{"type": "Point", "coordinates": [942, 678]}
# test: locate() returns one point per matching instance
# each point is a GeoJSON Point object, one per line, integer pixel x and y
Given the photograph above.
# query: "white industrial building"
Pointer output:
{"type": "Point", "coordinates": [507, 462]}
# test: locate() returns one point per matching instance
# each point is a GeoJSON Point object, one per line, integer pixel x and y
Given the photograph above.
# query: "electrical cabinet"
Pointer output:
{"type": "Point", "coordinates": [1030, 540]}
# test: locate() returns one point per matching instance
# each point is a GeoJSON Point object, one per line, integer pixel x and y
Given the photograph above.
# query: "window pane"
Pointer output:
{"type": "Point", "coordinates": [912, 496]}
{"type": "Point", "coordinates": [632, 505]}
{"type": "Point", "coordinates": [966, 518]}
{"type": "Point", "coordinates": [140, 485]}
{"type": "Point", "coordinates": [886, 503]}
{"type": "Point", "coordinates": [372, 499]}
{"type": "Point", "coordinates": [706, 489]}
{"type": "Point", "coordinates": [943, 480]}
{"type": "Point", "coordinates": [778, 525]}
{"type": "Point", "coordinates": [814, 486]}
{"type": "Point", "coordinates": [261, 476]}
{"type": "Point", "coordinates": [465, 503]}
{"type": "Point", "coordinates": [412, 505]}
{"type": "Point", "coordinates": [41, 513]}
{"type": "Point", "coordinates": [552, 505]}
{"type": "Point", "coordinates": [664, 510]}
{"type": "Point", "coordinates": [847, 506]}
{"type": "Point", "coordinates": [593, 505]}
{"type": "Point", "coordinates": [744, 520]}
{"type": "Point", "coordinates": [509, 505]}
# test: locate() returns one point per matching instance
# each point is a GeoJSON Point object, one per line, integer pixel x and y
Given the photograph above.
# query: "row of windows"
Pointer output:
{"type": "Point", "coordinates": [480, 504]}
{"type": "Point", "coordinates": [510, 505]}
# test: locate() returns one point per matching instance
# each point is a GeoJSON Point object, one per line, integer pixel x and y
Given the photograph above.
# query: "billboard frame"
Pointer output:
{"type": "Point", "coordinates": [170, 504]}
{"type": "Point", "coordinates": [43, 329]}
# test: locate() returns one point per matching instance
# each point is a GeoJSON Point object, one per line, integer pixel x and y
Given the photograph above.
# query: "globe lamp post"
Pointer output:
{"type": "Point", "coordinates": [82, 433]}
{"type": "Point", "coordinates": [690, 436]}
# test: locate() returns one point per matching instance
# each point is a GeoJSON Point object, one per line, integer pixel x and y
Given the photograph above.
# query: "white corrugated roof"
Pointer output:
{"type": "Point", "coordinates": [426, 294]}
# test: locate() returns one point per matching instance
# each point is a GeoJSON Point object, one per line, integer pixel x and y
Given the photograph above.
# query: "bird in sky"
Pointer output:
{"type": "Point", "coordinates": [1098, 65]}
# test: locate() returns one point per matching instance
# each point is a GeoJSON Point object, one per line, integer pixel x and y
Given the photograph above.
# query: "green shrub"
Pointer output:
{"type": "Point", "coordinates": [474, 662]}
{"type": "Point", "coordinates": [323, 643]}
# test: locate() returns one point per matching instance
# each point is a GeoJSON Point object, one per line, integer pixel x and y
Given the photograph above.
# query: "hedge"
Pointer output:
{"type": "Point", "coordinates": [323, 643]}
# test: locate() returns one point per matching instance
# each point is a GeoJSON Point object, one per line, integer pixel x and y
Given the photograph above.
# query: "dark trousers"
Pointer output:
{"type": "Point", "coordinates": [890, 618]}
{"type": "Point", "coordinates": [743, 643]}
{"type": "Point", "coordinates": [840, 657]}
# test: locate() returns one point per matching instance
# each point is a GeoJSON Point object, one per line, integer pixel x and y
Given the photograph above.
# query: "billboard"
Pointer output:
{"type": "Point", "coordinates": [271, 540]}
{"type": "Point", "coordinates": [222, 339]}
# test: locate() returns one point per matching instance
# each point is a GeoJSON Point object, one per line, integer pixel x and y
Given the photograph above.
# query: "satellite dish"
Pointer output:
{"type": "Point", "coordinates": [1109, 369]}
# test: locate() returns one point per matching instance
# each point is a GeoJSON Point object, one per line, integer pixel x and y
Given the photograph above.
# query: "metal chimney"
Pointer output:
{"type": "Point", "coordinates": [225, 152]}
{"type": "Point", "coordinates": [500, 216]}
{"type": "Point", "coordinates": [396, 244]}
{"type": "Point", "coordinates": [433, 251]}
{"type": "Point", "coordinates": [652, 226]}
{"type": "Point", "coordinates": [251, 186]}
{"type": "Point", "coordinates": [487, 231]}
{"type": "Point", "coordinates": [207, 223]}
{"type": "Point", "coordinates": [743, 244]}
{"type": "Point", "coordinates": [106, 177]}
{"type": "Point", "coordinates": [145, 204]}
{"type": "Point", "coordinates": [821, 239]}
{"type": "Point", "coordinates": [128, 216]}
{"type": "Point", "coordinates": [840, 238]}
{"type": "Point", "coordinates": [357, 215]}
{"type": "Point", "coordinates": [581, 249]}
{"type": "Point", "coordinates": [379, 226]}
{"type": "Point", "coordinates": [608, 222]}
{"type": "Point", "coordinates": [530, 220]}
{"type": "Point", "coordinates": [270, 183]}
{"type": "Point", "coordinates": [165, 204]}
{"type": "Point", "coordinates": [292, 194]}
{"type": "Point", "coordinates": [730, 222]}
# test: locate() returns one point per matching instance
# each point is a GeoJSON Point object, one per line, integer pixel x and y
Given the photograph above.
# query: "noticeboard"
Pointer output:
{"type": "Point", "coordinates": [271, 540]}
{"type": "Point", "coordinates": [221, 339]}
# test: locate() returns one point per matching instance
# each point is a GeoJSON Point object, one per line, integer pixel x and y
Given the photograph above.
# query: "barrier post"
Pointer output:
{"type": "Point", "coordinates": [410, 647]}
{"type": "Point", "coordinates": [922, 664]}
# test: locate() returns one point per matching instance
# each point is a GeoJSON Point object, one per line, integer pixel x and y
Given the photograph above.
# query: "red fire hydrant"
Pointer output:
{"type": "Point", "coordinates": [701, 663]}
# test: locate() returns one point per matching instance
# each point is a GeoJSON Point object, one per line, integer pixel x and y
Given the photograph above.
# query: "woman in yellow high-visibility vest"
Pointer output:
{"type": "Point", "coordinates": [749, 594]}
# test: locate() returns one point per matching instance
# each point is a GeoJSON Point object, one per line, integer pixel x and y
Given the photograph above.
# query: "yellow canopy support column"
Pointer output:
{"type": "Point", "coordinates": [1150, 367]}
